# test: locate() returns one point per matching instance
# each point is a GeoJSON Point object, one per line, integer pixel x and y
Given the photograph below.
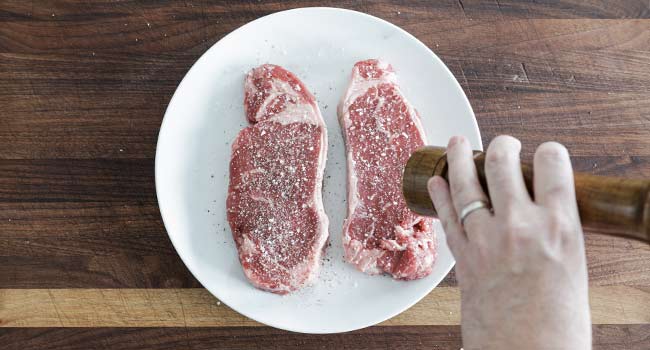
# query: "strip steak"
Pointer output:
{"type": "Point", "coordinates": [275, 206]}
{"type": "Point", "coordinates": [381, 130]}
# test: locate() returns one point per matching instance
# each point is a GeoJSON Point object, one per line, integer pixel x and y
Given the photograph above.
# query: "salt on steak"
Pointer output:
{"type": "Point", "coordinates": [275, 206]}
{"type": "Point", "coordinates": [381, 130]}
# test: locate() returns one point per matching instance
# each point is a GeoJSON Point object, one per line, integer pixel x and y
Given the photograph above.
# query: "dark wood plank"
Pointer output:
{"type": "Point", "coordinates": [71, 180]}
{"type": "Point", "coordinates": [628, 337]}
{"type": "Point", "coordinates": [184, 27]}
{"type": "Point", "coordinates": [611, 261]}
{"type": "Point", "coordinates": [158, 271]}
{"type": "Point", "coordinates": [623, 337]}
{"type": "Point", "coordinates": [57, 106]}
{"type": "Point", "coordinates": [535, 39]}
{"type": "Point", "coordinates": [398, 338]}
{"type": "Point", "coordinates": [553, 9]}
{"type": "Point", "coordinates": [95, 224]}
{"type": "Point", "coordinates": [105, 13]}
{"type": "Point", "coordinates": [535, 79]}
{"type": "Point", "coordinates": [581, 120]}
{"type": "Point", "coordinates": [567, 118]}
{"type": "Point", "coordinates": [82, 229]}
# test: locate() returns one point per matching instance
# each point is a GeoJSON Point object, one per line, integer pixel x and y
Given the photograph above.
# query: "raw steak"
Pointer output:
{"type": "Point", "coordinates": [381, 130]}
{"type": "Point", "coordinates": [275, 207]}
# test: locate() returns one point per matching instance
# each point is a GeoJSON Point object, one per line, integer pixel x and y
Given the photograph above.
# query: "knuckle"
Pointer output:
{"type": "Point", "coordinates": [516, 229]}
{"type": "Point", "coordinates": [558, 191]}
{"type": "Point", "coordinates": [552, 152]}
{"type": "Point", "coordinates": [503, 148]}
{"type": "Point", "coordinates": [460, 139]}
{"type": "Point", "coordinates": [560, 225]}
{"type": "Point", "coordinates": [455, 185]}
{"type": "Point", "coordinates": [561, 233]}
{"type": "Point", "coordinates": [496, 155]}
{"type": "Point", "coordinates": [513, 225]}
{"type": "Point", "coordinates": [520, 242]}
{"type": "Point", "coordinates": [517, 242]}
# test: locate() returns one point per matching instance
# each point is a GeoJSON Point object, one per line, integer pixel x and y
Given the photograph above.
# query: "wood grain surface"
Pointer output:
{"type": "Point", "coordinates": [86, 262]}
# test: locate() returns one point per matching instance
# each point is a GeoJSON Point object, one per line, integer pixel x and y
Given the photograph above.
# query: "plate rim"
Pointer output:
{"type": "Point", "coordinates": [215, 46]}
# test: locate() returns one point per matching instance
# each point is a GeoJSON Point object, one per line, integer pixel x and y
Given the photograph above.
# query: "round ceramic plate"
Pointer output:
{"type": "Point", "coordinates": [319, 45]}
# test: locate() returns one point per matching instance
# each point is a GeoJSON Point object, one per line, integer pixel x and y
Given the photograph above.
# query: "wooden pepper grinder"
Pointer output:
{"type": "Point", "coordinates": [617, 206]}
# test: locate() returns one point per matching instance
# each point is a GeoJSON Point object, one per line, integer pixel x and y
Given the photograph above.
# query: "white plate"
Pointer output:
{"type": "Point", "coordinates": [319, 45]}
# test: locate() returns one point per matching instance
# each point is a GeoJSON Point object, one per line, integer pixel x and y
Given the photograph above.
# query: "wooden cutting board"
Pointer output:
{"type": "Point", "coordinates": [85, 260]}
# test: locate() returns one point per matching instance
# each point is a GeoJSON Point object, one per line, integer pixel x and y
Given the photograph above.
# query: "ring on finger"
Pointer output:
{"type": "Point", "coordinates": [472, 207]}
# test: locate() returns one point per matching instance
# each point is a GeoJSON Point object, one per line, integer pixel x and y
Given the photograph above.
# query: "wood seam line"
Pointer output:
{"type": "Point", "coordinates": [196, 307]}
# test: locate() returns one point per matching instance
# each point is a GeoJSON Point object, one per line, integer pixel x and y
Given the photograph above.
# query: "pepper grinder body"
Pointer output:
{"type": "Point", "coordinates": [614, 205]}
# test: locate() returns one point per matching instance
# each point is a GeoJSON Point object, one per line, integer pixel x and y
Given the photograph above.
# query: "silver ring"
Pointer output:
{"type": "Point", "coordinates": [472, 207]}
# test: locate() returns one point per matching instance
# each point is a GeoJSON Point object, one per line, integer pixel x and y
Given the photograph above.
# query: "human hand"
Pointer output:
{"type": "Point", "coordinates": [521, 268]}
